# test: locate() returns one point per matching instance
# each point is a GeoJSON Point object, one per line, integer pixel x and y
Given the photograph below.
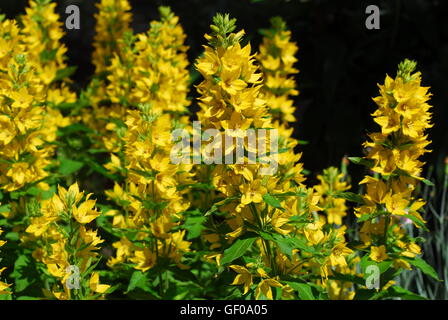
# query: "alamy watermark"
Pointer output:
{"type": "Point", "coordinates": [373, 20]}
{"type": "Point", "coordinates": [73, 20]}
{"type": "Point", "coordinates": [72, 281]}
{"type": "Point", "coordinates": [373, 277]}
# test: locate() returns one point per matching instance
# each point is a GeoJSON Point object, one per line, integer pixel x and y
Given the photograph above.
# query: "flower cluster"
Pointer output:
{"type": "Point", "coordinates": [42, 33]}
{"type": "Point", "coordinates": [394, 158]}
{"type": "Point", "coordinates": [151, 202]}
{"type": "Point", "coordinates": [332, 182]}
{"type": "Point", "coordinates": [153, 69]}
{"type": "Point", "coordinates": [112, 39]}
{"type": "Point", "coordinates": [268, 210]}
{"type": "Point", "coordinates": [277, 59]}
{"type": "Point", "coordinates": [65, 245]}
{"type": "Point", "coordinates": [112, 22]}
{"type": "Point", "coordinates": [23, 149]}
{"type": "Point", "coordinates": [151, 84]}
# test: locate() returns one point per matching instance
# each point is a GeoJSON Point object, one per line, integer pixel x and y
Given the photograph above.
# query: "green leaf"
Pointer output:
{"type": "Point", "coordinates": [140, 281]}
{"type": "Point", "coordinates": [299, 220]}
{"type": "Point", "coordinates": [405, 294]}
{"type": "Point", "coordinates": [350, 196]}
{"type": "Point", "coordinates": [216, 206]}
{"type": "Point", "coordinates": [198, 186]}
{"type": "Point", "coordinates": [153, 205]}
{"type": "Point", "coordinates": [17, 194]}
{"type": "Point", "coordinates": [23, 278]}
{"type": "Point", "coordinates": [74, 128]}
{"type": "Point", "coordinates": [424, 267]}
{"type": "Point", "coordinates": [43, 194]}
{"type": "Point", "coordinates": [266, 236]}
{"type": "Point", "coordinates": [6, 296]}
{"type": "Point", "coordinates": [428, 183]}
{"type": "Point", "coordinates": [12, 236]}
{"type": "Point", "coordinates": [48, 55]}
{"type": "Point", "coordinates": [69, 166]}
{"type": "Point", "coordinates": [362, 161]}
{"type": "Point", "coordinates": [5, 208]}
{"type": "Point", "coordinates": [287, 244]}
{"type": "Point", "coordinates": [237, 249]}
{"type": "Point", "coordinates": [28, 298]}
{"type": "Point", "coordinates": [383, 266]}
{"type": "Point", "coordinates": [365, 294]}
{"type": "Point", "coordinates": [417, 221]}
{"type": "Point", "coordinates": [64, 73]}
{"type": "Point", "coordinates": [304, 290]}
{"type": "Point", "coordinates": [347, 278]}
{"type": "Point", "coordinates": [101, 170]}
{"type": "Point", "coordinates": [194, 226]}
{"type": "Point", "coordinates": [397, 292]}
{"type": "Point", "coordinates": [272, 201]}
{"type": "Point", "coordinates": [367, 217]}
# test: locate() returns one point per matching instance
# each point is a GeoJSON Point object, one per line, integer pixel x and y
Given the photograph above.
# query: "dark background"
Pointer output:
{"type": "Point", "coordinates": [340, 61]}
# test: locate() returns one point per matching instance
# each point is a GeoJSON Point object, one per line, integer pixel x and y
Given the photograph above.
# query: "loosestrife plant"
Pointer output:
{"type": "Point", "coordinates": [230, 214]}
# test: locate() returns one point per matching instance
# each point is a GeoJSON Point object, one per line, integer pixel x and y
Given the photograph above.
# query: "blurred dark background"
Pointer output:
{"type": "Point", "coordinates": [340, 61]}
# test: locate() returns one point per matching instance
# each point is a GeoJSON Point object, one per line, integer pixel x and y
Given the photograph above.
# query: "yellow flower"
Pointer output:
{"type": "Point", "coordinates": [252, 193]}
{"type": "Point", "coordinates": [85, 212]}
{"type": "Point", "coordinates": [144, 259]}
{"type": "Point", "coordinates": [378, 254]}
{"type": "Point", "coordinates": [338, 253]}
{"type": "Point", "coordinates": [264, 287]}
{"type": "Point", "coordinates": [94, 283]}
{"type": "Point", "coordinates": [243, 277]}
{"type": "Point", "coordinates": [4, 287]}
{"type": "Point", "coordinates": [21, 98]}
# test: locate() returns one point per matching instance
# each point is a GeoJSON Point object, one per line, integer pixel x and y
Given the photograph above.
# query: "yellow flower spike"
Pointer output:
{"type": "Point", "coordinates": [332, 182]}
{"type": "Point", "coordinates": [23, 148]}
{"type": "Point", "coordinates": [277, 57]}
{"type": "Point", "coordinates": [232, 96]}
{"type": "Point", "coordinates": [42, 33]}
{"type": "Point", "coordinates": [403, 115]}
{"type": "Point", "coordinates": [112, 21]}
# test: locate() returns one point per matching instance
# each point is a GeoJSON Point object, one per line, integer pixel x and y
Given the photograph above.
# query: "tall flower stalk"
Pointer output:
{"type": "Point", "coordinates": [277, 58]}
{"type": "Point", "coordinates": [393, 156]}
{"type": "Point", "coordinates": [23, 148]}
{"type": "Point", "coordinates": [62, 241]}
{"type": "Point", "coordinates": [257, 208]}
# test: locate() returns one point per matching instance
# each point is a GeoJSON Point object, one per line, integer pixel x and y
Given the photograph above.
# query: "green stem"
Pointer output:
{"type": "Point", "coordinates": [386, 227]}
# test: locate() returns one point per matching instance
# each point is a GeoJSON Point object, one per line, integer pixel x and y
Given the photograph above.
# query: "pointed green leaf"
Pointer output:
{"type": "Point", "coordinates": [237, 249]}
